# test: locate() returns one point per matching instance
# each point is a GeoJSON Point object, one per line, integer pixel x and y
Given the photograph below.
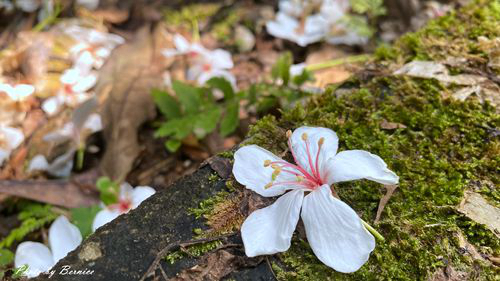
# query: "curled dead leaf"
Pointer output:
{"type": "Point", "coordinates": [475, 207]}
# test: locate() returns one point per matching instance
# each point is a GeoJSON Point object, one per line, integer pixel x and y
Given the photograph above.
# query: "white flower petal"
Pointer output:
{"type": "Point", "coordinates": [4, 154]}
{"type": "Point", "coordinates": [335, 232]}
{"type": "Point", "coordinates": [269, 230]}
{"type": "Point", "coordinates": [89, 4]}
{"type": "Point", "coordinates": [141, 193]}
{"type": "Point", "coordinates": [125, 191]}
{"type": "Point", "coordinates": [359, 164]}
{"type": "Point", "coordinates": [249, 170]}
{"type": "Point", "coordinates": [170, 52]}
{"type": "Point", "coordinates": [93, 123]}
{"type": "Point", "coordinates": [36, 255]}
{"type": "Point", "coordinates": [38, 163]}
{"type": "Point", "coordinates": [314, 134]}
{"type": "Point", "coordinates": [297, 69]}
{"type": "Point", "coordinates": [207, 75]}
{"type": "Point", "coordinates": [85, 83]}
{"type": "Point", "coordinates": [52, 105]}
{"type": "Point", "coordinates": [220, 59]}
{"type": "Point", "coordinates": [64, 237]}
{"type": "Point", "coordinates": [181, 44]}
{"type": "Point", "coordinates": [12, 137]}
{"type": "Point", "coordinates": [103, 217]}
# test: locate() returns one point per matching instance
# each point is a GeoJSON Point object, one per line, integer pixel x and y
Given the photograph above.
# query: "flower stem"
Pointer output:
{"type": "Point", "coordinates": [373, 231]}
{"type": "Point", "coordinates": [339, 61]}
{"type": "Point", "coordinates": [79, 157]}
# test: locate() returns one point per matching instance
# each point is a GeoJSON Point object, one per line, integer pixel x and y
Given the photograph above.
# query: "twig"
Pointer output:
{"type": "Point", "coordinates": [271, 268]}
{"type": "Point", "coordinates": [339, 61]}
{"type": "Point", "coordinates": [179, 245]}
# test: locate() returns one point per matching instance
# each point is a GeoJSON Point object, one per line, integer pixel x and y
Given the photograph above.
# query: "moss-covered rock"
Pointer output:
{"type": "Point", "coordinates": [446, 147]}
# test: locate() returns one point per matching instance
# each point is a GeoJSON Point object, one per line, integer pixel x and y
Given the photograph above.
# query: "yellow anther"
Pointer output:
{"type": "Point", "coordinates": [267, 163]}
{"type": "Point", "coordinates": [304, 136]}
{"type": "Point", "coordinates": [289, 134]}
{"type": "Point", "coordinates": [268, 185]}
{"type": "Point", "coordinates": [300, 178]}
{"type": "Point", "coordinates": [276, 173]}
{"type": "Point", "coordinates": [321, 141]}
{"type": "Point", "coordinates": [274, 166]}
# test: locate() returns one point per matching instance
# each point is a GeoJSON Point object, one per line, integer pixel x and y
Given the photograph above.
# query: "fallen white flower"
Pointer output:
{"type": "Point", "coordinates": [205, 64]}
{"type": "Point", "coordinates": [10, 139]}
{"type": "Point", "coordinates": [64, 237]}
{"type": "Point", "coordinates": [129, 198]}
{"type": "Point", "coordinates": [89, 4]}
{"type": "Point", "coordinates": [18, 92]}
{"type": "Point", "coordinates": [314, 28]}
{"type": "Point", "coordinates": [334, 230]}
{"type": "Point", "coordinates": [75, 84]}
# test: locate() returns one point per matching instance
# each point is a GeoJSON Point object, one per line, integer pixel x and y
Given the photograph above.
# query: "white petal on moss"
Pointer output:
{"type": "Point", "coordinates": [36, 255]}
{"type": "Point", "coordinates": [335, 232]}
{"type": "Point", "coordinates": [103, 217]}
{"type": "Point", "coordinates": [359, 164]}
{"type": "Point", "coordinates": [64, 237]}
{"type": "Point", "coordinates": [249, 170]}
{"type": "Point", "coordinates": [12, 137]}
{"type": "Point", "coordinates": [141, 193]}
{"type": "Point", "coordinates": [269, 230]}
{"type": "Point", "coordinates": [314, 134]}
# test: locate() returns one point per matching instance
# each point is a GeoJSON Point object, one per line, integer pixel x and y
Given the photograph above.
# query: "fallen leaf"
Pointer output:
{"type": "Point", "coordinates": [57, 192]}
{"type": "Point", "coordinates": [213, 268]}
{"type": "Point", "coordinates": [125, 83]}
{"type": "Point", "coordinates": [391, 125]}
{"type": "Point", "coordinates": [449, 273]}
{"type": "Point", "coordinates": [468, 248]}
{"type": "Point", "coordinates": [383, 201]}
{"type": "Point", "coordinates": [475, 207]}
{"type": "Point", "coordinates": [222, 166]}
{"type": "Point", "coordinates": [438, 71]}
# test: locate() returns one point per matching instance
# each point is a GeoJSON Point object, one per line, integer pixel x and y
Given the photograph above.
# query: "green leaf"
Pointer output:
{"type": "Point", "coordinates": [231, 119]}
{"type": "Point", "coordinates": [188, 96]}
{"type": "Point", "coordinates": [223, 85]}
{"type": "Point", "coordinates": [302, 78]}
{"type": "Point", "coordinates": [172, 145]}
{"type": "Point", "coordinates": [19, 271]}
{"type": "Point", "coordinates": [166, 103]}
{"type": "Point", "coordinates": [109, 190]}
{"type": "Point", "coordinates": [83, 218]}
{"type": "Point", "coordinates": [6, 257]}
{"type": "Point", "coordinates": [206, 122]}
{"type": "Point", "coordinates": [281, 69]}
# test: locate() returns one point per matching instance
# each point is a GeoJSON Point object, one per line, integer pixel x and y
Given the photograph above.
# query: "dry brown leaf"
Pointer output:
{"type": "Point", "coordinates": [468, 248]}
{"type": "Point", "coordinates": [213, 268]}
{"type": "Point", "coordinates": [125, 84]}
{"type": "Point", "coordinates": [391, 125]}
{"type": "Point", "coordinates": [475, 207]}
{"type": "Point", "coordinates": [56, 192]}
{"type": "Point", "coordinates": [329, 75]}
{"type": "Point", "coordinates": [384, 200]}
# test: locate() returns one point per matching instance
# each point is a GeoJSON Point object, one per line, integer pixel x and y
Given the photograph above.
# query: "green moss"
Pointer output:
{"type": "Point", "coordinates": [196, 250]}
{"type": "Point", "coordinates": [186, 16]}
{"type": "Point", "coordinates": [446, 148]}
{"type": "Point", "coordinates": [213, 178]}
{"type": "Point", "coordinates": [452, 35]}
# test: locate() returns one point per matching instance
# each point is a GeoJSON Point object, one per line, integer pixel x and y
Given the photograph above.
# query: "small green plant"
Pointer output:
{"type": "Point", "coordinates": [109, 190]}
{"type": "Point", "coordinates": [194, 110]}
{"type": "Point", "coordinates": [33, 216]}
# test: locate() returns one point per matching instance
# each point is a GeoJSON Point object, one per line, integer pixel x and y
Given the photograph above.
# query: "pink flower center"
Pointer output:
{"type": "Point", "coordinates": [68, 88]}
{"type": "Point", "coordinates": [192, 54]}
{"type": "Point", "coordinates": [123, 206]}
{"type": "Point", "coordinates": [308, 179]}
{"type": "Point", "coordinates": [206, 67]}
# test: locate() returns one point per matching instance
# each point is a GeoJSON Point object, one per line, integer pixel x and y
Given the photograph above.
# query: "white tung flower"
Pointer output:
{"type": "Point", "coordinates": [75, 86]}
{"type": "Point", "coordinates": [64, 237]}
{"type": "Point", "coordinates": [17, 93]}
{"type": "Point", "coordinates": [129, 198]}
{"type": "Point", "coordinates": [313, 29]}
{"type": "Point", "coordinates": [10, 139]}
{"type": "Point", "coordinates": [334, 230]}
{"type": "Point", "coordinates": [205, 64]}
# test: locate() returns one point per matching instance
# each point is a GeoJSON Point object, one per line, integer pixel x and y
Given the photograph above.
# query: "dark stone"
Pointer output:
{"type": "Point", "coordinates": [125, 248]}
